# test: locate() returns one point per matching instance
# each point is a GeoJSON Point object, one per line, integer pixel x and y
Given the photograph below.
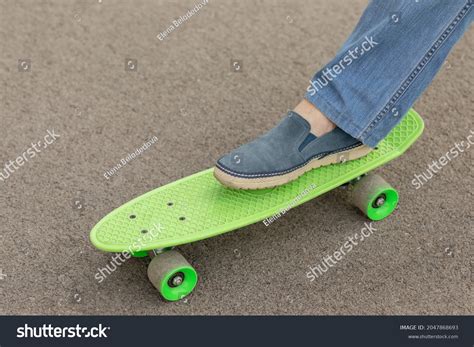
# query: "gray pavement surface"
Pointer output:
{"type": "Point", "coordinates": [63, 68]}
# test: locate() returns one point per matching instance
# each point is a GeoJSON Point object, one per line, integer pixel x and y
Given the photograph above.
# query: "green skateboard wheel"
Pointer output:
{"type": "Point", "coordinates": [172, 275]}
{"type": "Point", "coordinates": [374, 197]}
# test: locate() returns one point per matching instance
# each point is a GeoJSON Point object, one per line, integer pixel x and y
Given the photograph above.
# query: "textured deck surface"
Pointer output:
{"type": "Point", "coordinates": [198, 207]}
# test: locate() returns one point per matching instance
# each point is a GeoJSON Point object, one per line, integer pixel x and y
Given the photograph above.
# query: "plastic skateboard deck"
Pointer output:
{"type": "Point", "coordinates": [199, 207]}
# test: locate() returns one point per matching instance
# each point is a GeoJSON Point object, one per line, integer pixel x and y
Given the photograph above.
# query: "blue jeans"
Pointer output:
{"type": "Point", "coordinates": [390, 58]}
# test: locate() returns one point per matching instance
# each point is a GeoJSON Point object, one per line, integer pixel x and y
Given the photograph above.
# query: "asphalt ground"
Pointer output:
{"type": "Point", "coordinates": [97, 74]}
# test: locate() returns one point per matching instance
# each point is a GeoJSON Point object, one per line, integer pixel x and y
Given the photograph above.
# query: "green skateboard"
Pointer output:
{"type": "Point", "coordinates": [199, 207]}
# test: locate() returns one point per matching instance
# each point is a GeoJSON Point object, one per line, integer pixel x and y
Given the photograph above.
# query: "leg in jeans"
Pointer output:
{"type": "Point", "coordinates": [354, 101]}
{"type": "Point", "coordinates": [388, 61]}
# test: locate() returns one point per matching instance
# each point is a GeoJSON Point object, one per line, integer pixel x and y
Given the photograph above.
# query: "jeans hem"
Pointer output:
{"type": "Point", "coordinates": [372, 140]}
{"type": "Point", "coordinates": [335, 116]}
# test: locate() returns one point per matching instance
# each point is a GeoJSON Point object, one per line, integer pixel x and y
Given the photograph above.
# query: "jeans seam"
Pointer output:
{"type": "Point", "coordinates": [419, 67]}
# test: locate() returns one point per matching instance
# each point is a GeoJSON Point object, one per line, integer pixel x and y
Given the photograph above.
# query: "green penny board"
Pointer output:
{"type": "Point", "coordinates": [198, 207]}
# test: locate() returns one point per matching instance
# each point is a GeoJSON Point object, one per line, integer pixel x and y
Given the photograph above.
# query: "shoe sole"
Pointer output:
{"type": "Point", "coordinates": [275, 181]}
